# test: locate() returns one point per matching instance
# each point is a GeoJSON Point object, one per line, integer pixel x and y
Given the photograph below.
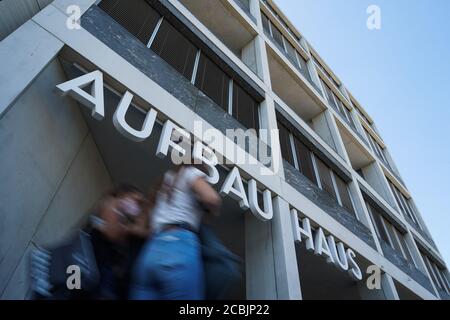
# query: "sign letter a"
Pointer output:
{"type": "Point", "coordinates": [93, 101]}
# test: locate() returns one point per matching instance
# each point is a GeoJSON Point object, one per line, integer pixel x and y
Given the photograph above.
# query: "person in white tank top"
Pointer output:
{"type": "Point", "coordinates": [170, 266]}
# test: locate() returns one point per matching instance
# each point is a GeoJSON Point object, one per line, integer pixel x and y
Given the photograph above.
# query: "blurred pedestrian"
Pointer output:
{"type": "Point", "coordinates": [170, 264]}
{"type": "Point", "coordinates": [119, 229]}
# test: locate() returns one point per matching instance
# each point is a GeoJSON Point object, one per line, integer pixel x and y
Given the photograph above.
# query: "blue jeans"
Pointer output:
{"type": "Point", "coordinates": [169, 268]}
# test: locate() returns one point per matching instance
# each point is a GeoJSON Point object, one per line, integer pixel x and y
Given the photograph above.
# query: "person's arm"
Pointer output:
{"type": "Point", "coordinates": [207, 195]}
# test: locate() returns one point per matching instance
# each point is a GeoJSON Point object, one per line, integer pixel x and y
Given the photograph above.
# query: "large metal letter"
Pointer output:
{"type": "Point", "coordinates": [234, 187]}
{"type": "Point", "coordinates": [122, 126]}
{"type": "Point", "coordinates": [265, 215]}
{"type": "Point", "coordinates": [95, 100]}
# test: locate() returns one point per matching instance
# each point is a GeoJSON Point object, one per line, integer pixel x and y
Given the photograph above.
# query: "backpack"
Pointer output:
{"type": "Point", "coordinates": [51, 269]}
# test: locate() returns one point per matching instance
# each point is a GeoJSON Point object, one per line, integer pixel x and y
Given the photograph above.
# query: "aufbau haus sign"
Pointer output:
{"type": "Point", "coordinates": [233, 185]}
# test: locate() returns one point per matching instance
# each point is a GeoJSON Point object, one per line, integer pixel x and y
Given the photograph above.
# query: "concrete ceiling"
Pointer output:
{"type": "Point", "coordinates": [220, 20]}
{"type": "Point", "coordinates": [359, 157]}
{"type": "Point", "coordinates": [289, 88]}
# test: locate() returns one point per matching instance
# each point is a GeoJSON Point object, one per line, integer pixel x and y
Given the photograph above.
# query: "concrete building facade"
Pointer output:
{"type": "Point", "coordinates": [324, 215]}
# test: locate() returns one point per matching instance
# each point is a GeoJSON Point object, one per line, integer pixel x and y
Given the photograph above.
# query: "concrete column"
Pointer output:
{"type": "Point", "coordinates": [414, 249]}
{"type": "Point", "coordinates": [374, 175]}
{"type": "Point", "coordinates": [268, 121]}
{"type": "Point", "coordinates": [249, 57]}
{"type": "Point", "coordinates": [18, 70]}
{"type": "Point", "coordinates": [388, 287]}
{"type": "Point", "coordinates": [259, 260]}
{"type": "Point", "coordinates": [286, 267]}
{"type": "Point", "coordinates": [339, 143]}
{"type": "Point", "coordinates": [315, 76]}
{"type": "Point", "coordinates": [260, 45]}
{"type": "Point", "coordinates": [358, 124]}
{"type": "Point", "coordinates": [361, 209]}
{"type": "Point", "coordinates": [312, 67]}
{"type": "Point", "coordinates": [321, 126]}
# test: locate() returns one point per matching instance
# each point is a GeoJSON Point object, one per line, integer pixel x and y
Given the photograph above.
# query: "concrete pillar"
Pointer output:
{"type": "Point", "coordinates": [337, 138]}
{"type": "Point", "coordinates": [388, 287]}
{"type": "Point", "coordinates": [17, 69]}
{"type": "Point", "coordinates": [286, 267]}
{"type": "Point", "coordinates": [321, 126]}
{"type": "Point", "coordinates": [315, 76]}
{"type": "Point", "coordinates": [361, 209]}
{"type": "Point", "coordinates": [259, 260]}
{"type": "Point", "coordinates": [415, 253]}
{"type": "Point", "coordinates": [249, 57]}
{"type": "Point", "coordinates": [374, 176]}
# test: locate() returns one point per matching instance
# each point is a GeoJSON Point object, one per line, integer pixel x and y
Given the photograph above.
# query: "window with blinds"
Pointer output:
{"type": "Point", "coordinates": [175, 49]}
{"type": "Point", "coordinates": [140, 19]}
{"type": "Point", "coordinates": [344, 194]}
{"type": "Point", "coordinates": [304, 160]}
{"type": "Point", "coordinates": [285, 143]}
{"type": "Point", "coordinates": [212, 81]}
{"type": "Point", "coordinates": [137, 16]}
{"type": "Point", "coordinates": [386, 231]}
{"type": "Point", "coordinates": [403, 204]}
{"type": "Point", "coordinates": [297, 153]}
{"type": "Point", "coordinates": [325, 177]}
{"type": "Point", "coordinates": [377, 221]}
{"type": "Point", "coordinates": [437, 275]}
{"type": "Point", "coordinates": [245, 108]}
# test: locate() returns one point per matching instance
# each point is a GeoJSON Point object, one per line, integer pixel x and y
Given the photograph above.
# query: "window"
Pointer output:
{"type": "Point", "coordinates": [277, 36]}
{"type": "Point", "coordinates": [137, 16]}
{"type": "Point", "coordinates": [311, 166]}
{"type": "Point", "coordinates": [376, 147]}
{"type": "Point", "coordinates": [380, 229]}
{"type": "Point", "coordinates": [437, 274]}
{"type": "Point", "coordinates": [347, 114]}
{"type": "Point", "coordinates": [211, 80]}
{"type": "Point", "coordinates": [245, 3]}
{"type": "Point", "coordinates": [304, 66]}
{"type": "Point", "coordinates": [175, 49]}
{"type": "Point", "coordinates": [330, 96]}
{"type": "Point", "coordinates": [304, 160]}
{"type": "Point", "coordinates": [266, 24]}
{"type": "Point", "coordinates": [404, 247]}
{"type": "Point", "coordinates": [292, 54]}
{"type": "Point", "coordinates": [245, 108]}
{"type": "Point", "coordinates": [386, 231]}
{"type": "Point", "coordinates": [403, 204]}
{"type": "Point", "coordinates": [344, 194]}
{"type": "Point", "coordinates": [287, 48]}
{"type": "Point", "coordinates": [285, 144]}
{"type": "Point", "coordinates": [325, 177]}
{"type": "Point", "coordinates": [178, 51]}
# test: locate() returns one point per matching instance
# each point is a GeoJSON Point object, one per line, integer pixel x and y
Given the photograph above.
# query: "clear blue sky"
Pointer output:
{"type": "Point", "coordinates": [401, 76]}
